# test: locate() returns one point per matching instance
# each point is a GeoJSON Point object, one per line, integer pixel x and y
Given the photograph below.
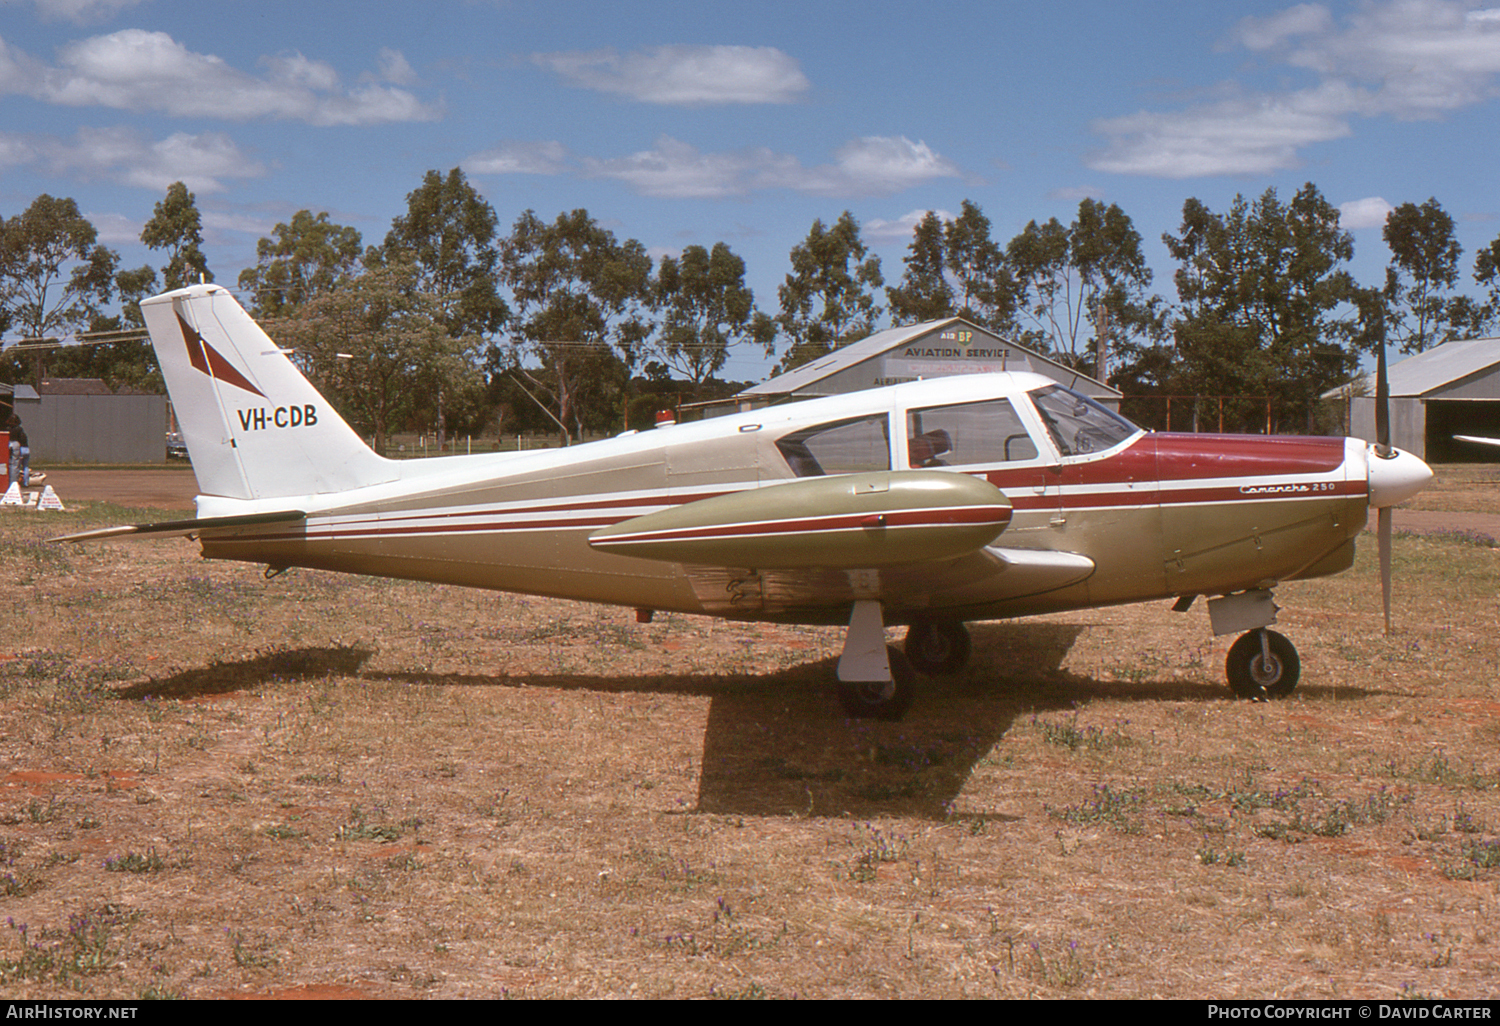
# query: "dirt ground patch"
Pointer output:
{"type": "Point", "coordinates": [214, 784]}
{"type": "Point", "coordinates": [172, 487]}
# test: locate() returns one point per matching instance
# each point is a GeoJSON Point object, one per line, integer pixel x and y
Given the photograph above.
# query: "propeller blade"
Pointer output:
{"type": "Point", "coordinates": [1384, 527]}
{"type": "Point", "coordinates": [1382, 403]}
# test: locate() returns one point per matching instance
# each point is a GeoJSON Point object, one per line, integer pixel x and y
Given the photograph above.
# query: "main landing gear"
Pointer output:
{"type": "Point", "coordinates": [938, 648]}
{"type": "Point", "coordinates": [877, 681]}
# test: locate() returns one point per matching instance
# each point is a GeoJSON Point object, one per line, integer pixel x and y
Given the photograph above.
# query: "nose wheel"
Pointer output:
{"type": "Point", "coordinates": [1262, 664]}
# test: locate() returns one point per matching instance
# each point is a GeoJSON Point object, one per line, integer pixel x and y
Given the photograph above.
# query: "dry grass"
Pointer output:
{"type": "Point", "coordinates": [214, 785]}
{"type": "Point", "coordinates": [1462, 488]}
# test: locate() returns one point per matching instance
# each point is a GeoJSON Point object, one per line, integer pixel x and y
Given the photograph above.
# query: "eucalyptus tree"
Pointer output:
{"type": "Point", "coordinates": [119, 351]}
{"type": "Point", "coordinates": [54, 275]}
{"type": "Point", "coordinates": [1082, 283]}
{"type": "Point", "coordinates": [304, 258]}
{"type": "Point", "coordinates": [828, 300]}
{"type": "Point", "coordinates": [177, 227]}
{"type": "Point", "coordinates": [448, 237]}
{"type": "Point", "coordinates": [1263, 290]}
{"type": "Point", "coordinates": [582, 312]}
{"type": "Point", "coordinates": [1482, 317]}
{"type": "Point", "coordinates": [954, 268]}
{"type": "Point", "coordinates": [366, 343]}
{"type": "Point", "coordinates": [1422, 274]}
{"type": "Point", "coordinates": [706, 308]}
{"type": "Point", "coordinates": [924, 293]}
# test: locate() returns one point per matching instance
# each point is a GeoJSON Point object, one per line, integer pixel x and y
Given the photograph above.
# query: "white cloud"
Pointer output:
{"type": "Point", "coordinates": [81, 12]}
{"type": "Point", "coordinates": [684, 75]}
{"type": "Point", "coordinates": [1075, 192]}
{"type": "Point", "coordinates": [872, 166]}
{"type": "Point", "coordinates": [124, 155]}
{"type": "Point", "coordinates": [140, 71]}
{"type": "Point", "coordinates": [1370, 212]}
{"type": "Point", "coordinates": [115, 229]}
{"type": "Point", "coordinates": [901, 229]}
{"type": "Point", "coordinates": [678, 169]}
{"type": "Point", "coordinates": [514, 157]}
{"type": "Point", "coordinates": [1254, 135]}
{"type": "Point", "coordinates": [1266, 33]}
{"type": "Point", "coordinates": [1406, 59]}
{"type": "Point", "coordinates": [392, 66]}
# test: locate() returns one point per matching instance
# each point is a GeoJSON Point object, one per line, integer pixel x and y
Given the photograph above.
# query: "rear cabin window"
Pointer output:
{"type": "Point", "coordinates": [1079, 425]}
{"type": "Point", "coordinates": [968, 433]}
{"type": "Point", "coordinates": [842, 447]}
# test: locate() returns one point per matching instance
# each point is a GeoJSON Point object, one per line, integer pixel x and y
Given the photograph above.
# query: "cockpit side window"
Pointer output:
{"type": "Point", "coordinates": [967, 433]}
{"type": "Point", "coordinates": [842, 447]}
{"type": "Point", "coordinates": [1079, 425]}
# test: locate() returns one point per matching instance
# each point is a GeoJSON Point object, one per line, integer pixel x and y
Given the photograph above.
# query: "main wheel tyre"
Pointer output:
{"type": "Point", "coordinates": [1251, 675]}
{"type": "Point", "coordinates": [881, 699]}
{"type": "Point", "coordinates": [938, 648]}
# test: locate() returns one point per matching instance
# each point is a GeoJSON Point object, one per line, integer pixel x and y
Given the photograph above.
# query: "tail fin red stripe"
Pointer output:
{"type": "Point", "coordinates": [210, 361]}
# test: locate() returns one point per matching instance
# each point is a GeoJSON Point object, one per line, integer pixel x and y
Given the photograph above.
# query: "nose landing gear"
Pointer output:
{"type": "Point", "coordinates": [1262, 664]}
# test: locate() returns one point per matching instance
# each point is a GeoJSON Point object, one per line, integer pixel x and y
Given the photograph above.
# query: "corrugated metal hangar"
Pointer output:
{"type": "Point", "coordinates": [933, 349]}
{"type": "Point", "coordinates": [80, 420]}
{"type": "Point", "coordinates": [1451, 389]}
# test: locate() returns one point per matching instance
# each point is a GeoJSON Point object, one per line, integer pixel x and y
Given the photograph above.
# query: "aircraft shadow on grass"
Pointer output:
{"type": "Point", "coordinates": [776, 744]}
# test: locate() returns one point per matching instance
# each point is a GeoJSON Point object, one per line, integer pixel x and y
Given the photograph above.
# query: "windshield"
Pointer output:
{"type": "Point", "coordinates": [1079, 425]}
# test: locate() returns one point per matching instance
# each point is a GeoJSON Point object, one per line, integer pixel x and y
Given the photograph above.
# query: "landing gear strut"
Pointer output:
{"type": "Point", "coordinates": [875, 681]}
{"type": "Point", "coordinates": [938, 648]}
{"type": "Point", "coordinates": [881, 699]}
{"type": "Point", "coordinates": [1262, 664]}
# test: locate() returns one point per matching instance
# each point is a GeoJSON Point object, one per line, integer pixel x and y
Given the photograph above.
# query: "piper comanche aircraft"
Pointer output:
{"type": "Point", "coordinates": [929, 504]}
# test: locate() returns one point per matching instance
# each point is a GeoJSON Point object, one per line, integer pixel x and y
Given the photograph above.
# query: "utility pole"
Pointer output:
{"type": "Point", "coordinates": [1101, 336]}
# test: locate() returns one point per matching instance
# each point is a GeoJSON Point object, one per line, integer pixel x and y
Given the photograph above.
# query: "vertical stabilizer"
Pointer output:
{"type": "Point", "coordinates": [254, 426]}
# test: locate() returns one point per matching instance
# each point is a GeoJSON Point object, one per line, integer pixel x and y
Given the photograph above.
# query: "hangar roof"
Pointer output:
{"type": "Point", "coordinates": [802, 380]}
{"type": "Point", "coordinates": [1440, 368]}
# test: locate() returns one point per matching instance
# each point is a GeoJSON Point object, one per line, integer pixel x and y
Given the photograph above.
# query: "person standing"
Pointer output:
{"type": "Point", "coordinates": [20, 453]}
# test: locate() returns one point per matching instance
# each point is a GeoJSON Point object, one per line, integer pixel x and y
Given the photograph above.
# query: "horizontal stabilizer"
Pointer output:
{"type": "Point", "coordinates": [193, 526]}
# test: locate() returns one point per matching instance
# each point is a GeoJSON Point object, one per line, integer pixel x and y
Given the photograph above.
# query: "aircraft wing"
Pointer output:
{"type": "Point", "coordinates": [914, 539]}
{"type": "Point", "coordinates": [1478, 439]}
{"type": "Point", "coordinates": [193, 526]}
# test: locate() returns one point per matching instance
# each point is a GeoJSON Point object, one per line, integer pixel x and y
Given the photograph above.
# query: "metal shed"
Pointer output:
{"type": "Point", "coordinates": [80, 420]}
{"type": "Point", "coordinates": [1451, 389]}
{"type": "Point", "coordinates": [932, 349]}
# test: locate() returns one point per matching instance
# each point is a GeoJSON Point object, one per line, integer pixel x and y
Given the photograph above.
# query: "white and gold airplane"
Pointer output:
{"type": "Point", "coordinates": [928, 504]}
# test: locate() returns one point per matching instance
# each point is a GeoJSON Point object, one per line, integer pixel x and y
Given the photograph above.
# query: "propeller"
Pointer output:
{"type": "Point", "coordinates": [1383, 451]}
{"type": "Point", "coordinates": [1394, 477]}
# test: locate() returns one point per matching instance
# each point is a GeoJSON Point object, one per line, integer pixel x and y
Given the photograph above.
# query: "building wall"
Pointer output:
{"type": "Point", "coordinates": [1408, 423]}
{"type": "Point", "coordinates": [98, 429]}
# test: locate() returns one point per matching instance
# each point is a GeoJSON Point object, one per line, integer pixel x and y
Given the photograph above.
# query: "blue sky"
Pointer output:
{"type": "Point", "coordinates": [698, 122]}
